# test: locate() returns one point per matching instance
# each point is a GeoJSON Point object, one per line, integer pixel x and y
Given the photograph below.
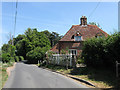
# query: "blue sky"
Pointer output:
{"type": "Point", "coordinates": [56, 16]}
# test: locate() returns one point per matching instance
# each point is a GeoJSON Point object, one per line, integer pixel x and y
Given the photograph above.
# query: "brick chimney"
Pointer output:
{"type": "Point", "coordinates": [83, 20]}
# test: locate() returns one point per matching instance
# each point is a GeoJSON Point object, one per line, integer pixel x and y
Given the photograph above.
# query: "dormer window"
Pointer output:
{"type": "Point", "coordinates": [77, 38]}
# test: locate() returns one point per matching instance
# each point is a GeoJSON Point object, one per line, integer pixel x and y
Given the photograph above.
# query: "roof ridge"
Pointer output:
{"type": "Point", "coordinates": [66, 33]}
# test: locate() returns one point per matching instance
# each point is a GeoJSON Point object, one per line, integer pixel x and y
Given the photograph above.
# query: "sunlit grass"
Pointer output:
{"type": "Point", "coordinates": [3, 73]}
{"type": "Point", "coordinates": [101, 78]}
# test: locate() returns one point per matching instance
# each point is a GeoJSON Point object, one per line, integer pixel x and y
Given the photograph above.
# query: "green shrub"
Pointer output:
{"type": "Point", "coordinates": [79, 61]}
{"type": "Point", "coordinates": [49, 53]}
{"type": "Point", "coordinates": [21, 58]}
{"type": "Point", "coordinates": [16, 59]}
{"type": "Point", "coordinates": [9, 64]}
{"type": "Point", "coordinates": [100, 52]}
{"type": "Point", "coordinates": [37, 54]}
{"type": "Point", "coordinates": [12, 59]}
{"type": "Point", "coordinates": [5, 57]}
{"type": "Point", "coordinates": [93, 52]}
{"type": "Point", "coordinates": [63, 51]}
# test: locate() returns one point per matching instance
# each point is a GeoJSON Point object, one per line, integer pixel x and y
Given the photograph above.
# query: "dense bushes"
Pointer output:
{"type": "Point", "coordinates": [21, 58]}
{"type": "Point", "coordinates": [16, 59]}
{"type": "Point", "coordinates": [8, 53]}
{"type": "Point", "coordinates": [37, 54]}
{"type": "Point", "coordinates": [5, 57]}
{"type": "Point", "coordinates": [99, 52]}
{"type": "Point", "coordinates": [32, 45]}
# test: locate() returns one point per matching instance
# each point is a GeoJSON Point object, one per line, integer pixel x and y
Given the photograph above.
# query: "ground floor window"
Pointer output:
{"type": "Point", "coordinates": [73, 51]}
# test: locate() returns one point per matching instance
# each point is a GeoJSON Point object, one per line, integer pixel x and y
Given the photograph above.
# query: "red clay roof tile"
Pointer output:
{"type": "Point", "coordinates": [88, 31]}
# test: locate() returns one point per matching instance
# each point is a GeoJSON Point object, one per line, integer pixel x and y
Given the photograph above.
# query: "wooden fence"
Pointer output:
{"type": "Point", "coordinates": [62, 59]}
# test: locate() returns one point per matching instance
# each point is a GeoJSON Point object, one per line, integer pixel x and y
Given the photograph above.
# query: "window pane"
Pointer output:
{"type": "Point", "coordinates": [77, 38]}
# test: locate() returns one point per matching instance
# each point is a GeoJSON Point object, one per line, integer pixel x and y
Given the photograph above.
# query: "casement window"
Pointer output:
{"type": "Point", "coordinates": [73, 51]}
{"type": "Point", "coordinates": [77, 38]}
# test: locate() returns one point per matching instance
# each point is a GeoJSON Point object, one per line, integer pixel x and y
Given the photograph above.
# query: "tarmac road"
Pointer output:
{"type": "Point", "coordinates": [30, 76]}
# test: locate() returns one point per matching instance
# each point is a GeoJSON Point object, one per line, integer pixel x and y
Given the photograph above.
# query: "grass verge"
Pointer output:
{"type": "Point", "coordinates": [3, 73]}
{"type": "Point", "coordinates": [101, 78]}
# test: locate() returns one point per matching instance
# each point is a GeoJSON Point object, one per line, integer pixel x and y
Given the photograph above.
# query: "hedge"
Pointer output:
{"type": "Point", "coordinates": [99, 52]}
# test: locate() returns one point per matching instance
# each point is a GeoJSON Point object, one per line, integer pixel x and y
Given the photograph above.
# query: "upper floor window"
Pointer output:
{"type": "Point", "coordinates": [77, 38]}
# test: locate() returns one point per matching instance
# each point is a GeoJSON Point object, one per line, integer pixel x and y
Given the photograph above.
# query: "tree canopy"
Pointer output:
{"type": "Point", "coordinates": [32, 45]}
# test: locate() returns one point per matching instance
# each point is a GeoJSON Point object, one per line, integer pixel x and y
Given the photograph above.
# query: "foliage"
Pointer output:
{"type": "Point", "coordinates": [94, 23]}
{"type": "Point", "coordinates": [31, 45]}
{"type": "Point", "coordinates": [30, 41]}
{"type": "Point", "coordinates": [16, 59]}
{"type": "Point", "coordinates": [63, 51]}
{"type": "Point", "coordinates": [49, 53]}
{"type": "Point", "coordinates": [79, 59]}
{"type": "Point", "coordinates": [9, 48]}
{"type": "Point", "coordinates": [18, 38]}
{"type": "Point", "coordinates": [53, 37]}
{"type": "Point", "coordinates": [99, 52]}
{"type": "Point", "coordinates": [5, 57]}
{"type": "Point", "coordinates": [21, 58]}
{"type": "Point", "coordinates": [12, 59]}
{"type": "Point", "coordinates": [22, 47]}
{"type": "Point", "coordinates": [37, 54]}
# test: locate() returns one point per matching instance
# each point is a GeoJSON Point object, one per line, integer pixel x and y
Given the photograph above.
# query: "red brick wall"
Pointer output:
{"type": "Point", "coordinates": [71, 45]}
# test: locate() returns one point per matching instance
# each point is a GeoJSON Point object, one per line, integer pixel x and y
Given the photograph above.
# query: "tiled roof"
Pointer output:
{"type": "Point", "coordinates": [88, 31]}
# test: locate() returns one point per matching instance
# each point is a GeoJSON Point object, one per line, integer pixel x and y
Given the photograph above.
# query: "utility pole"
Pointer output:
{"type": "Point", "coordinates": [15, 22]}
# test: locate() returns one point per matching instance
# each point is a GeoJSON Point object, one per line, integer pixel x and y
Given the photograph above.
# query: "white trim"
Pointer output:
{"type": "Point", "coordinates": [73, 49]}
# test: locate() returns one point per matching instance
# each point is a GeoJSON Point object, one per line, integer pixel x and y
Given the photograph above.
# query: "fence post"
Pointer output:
{"type": "Point", "coordinates": [70, 56]}
{"type": "Point", "coordinates": [66, 62]}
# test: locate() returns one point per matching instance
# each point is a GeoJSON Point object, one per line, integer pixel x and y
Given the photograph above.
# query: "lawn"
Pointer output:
{"type": "Point", "coordinates": [101, 78]}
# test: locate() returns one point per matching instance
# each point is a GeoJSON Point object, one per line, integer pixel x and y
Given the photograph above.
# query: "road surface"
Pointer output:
{"type": "Point", "coordinates": [30, 76]}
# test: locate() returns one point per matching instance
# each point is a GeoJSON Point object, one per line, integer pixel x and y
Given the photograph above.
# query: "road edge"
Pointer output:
{"type": "Point", "coordinates": [75, 78]}
{"type": "Point", "coordinates": [9, 69]}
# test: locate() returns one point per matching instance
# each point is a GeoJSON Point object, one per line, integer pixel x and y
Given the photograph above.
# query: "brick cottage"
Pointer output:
{"type": "Point", "coordinates": [74, 38]}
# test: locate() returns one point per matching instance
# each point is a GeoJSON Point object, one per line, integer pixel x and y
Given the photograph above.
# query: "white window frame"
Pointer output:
{"type": "Point", "coordinates": [70, 51]}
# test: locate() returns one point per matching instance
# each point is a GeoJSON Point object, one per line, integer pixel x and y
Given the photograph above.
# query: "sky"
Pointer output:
{"type": "Point", "coordinates": [56, 16]}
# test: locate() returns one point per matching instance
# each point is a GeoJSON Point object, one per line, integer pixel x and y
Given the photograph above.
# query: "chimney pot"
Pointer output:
{"type": "Point", "coordinates": [83, 20]}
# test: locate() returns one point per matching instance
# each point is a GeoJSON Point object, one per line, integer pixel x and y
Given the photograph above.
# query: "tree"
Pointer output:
{"type": "Point", "coordinates": [22, 47]}
{"type": "Point", "coordinates": [37, 54]}
{"type": "Point", "coordinates": [94, 23]}
{"type": "Point", "coordinates": [7, 48]}
{"type": "Point", "coordinates": [32, 44]}
{"type": "Point", "coordinates": [28, 42]}
{"type": "Point", "coordinates": [5, 57]}
{"type": "Point", "coordinates": [53, 37]}
{"type": "Point", "coordinates": [18, 38]}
